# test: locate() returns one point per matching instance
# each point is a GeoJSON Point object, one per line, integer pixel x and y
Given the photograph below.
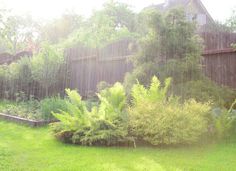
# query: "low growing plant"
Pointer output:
{"type": "Point", "coordinates": [53, 104]}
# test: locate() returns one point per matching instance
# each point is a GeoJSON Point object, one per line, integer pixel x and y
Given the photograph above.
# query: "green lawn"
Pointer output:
{"type": "Point", "coordinates": [23, 148]}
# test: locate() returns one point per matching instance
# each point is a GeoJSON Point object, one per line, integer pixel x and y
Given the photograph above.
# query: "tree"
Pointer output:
{"type": "Point", "coordinates": [114, 21]}
{"type": "Point", "coordinates": [60, 28]}
{"type": "Point", "coordinates": [121, 14]}
{"type": "Point", "coordinates": [231, 22]}
{"type": "Point", "coordinates": [16, 31]}
{"type": "Point", "coordinates": [98, 31]}
{"type": "Point", "coordinates": [171, 48]}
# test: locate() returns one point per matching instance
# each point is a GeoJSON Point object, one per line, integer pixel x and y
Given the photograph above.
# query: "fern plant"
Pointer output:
{"type": "Point", "coordinates": [105, 124]}
{"type": "Point", "coordinates": [153, 94]}
{"type": "Point", "coordinates": [110, 121]}
{"type": "Point", "coordinates": [76, 117]}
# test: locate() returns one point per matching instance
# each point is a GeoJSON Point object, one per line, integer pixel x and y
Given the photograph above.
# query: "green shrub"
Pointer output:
{"type": "Point", "coordinates": [110, 121]}
{"type": "Point", "coordinates": [53, 104]}
{"type": "Point", "coordinates": [205, 90]}
{"type": "Point", "coordinates": [46, 65]}
{"type": "Point", "coordinates": [105, 124]}
{"type": "Point", "coordinates": [162, 120]}
{"type": "Point", "coordinates": [77, 116]}
{"type": "Point", "coordinates": [224, 122]}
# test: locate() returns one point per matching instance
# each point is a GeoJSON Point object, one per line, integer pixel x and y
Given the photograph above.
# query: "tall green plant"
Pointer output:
{"type": "Point", "coordinates": [46, 65]}
{"type": "Point", "coordinates": [171, 48]}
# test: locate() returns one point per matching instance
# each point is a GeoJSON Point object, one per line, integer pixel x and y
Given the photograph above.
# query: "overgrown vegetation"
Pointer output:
{"type": "Point", "coordinates": [153, 117]}
{"type": "Point", "coordinates": [28, 109]}
{"type": "Point", "coordinates": [172, 48]}
{"type": "Point", "coordinates": [33, 76]}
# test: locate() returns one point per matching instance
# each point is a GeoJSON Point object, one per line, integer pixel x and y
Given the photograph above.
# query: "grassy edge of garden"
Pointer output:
{"type": "Point", "coordinates": [36, 149]}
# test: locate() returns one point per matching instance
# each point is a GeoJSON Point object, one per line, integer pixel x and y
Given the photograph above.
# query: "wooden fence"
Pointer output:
{"type": "Point", "coordinates": [88, 67]}
{"type": "Point", "coordinates": [219, 62]}
{"type": "Point", "coordinates": [218, 40]}
{"type": "Point", "coordinates": [220, 66]}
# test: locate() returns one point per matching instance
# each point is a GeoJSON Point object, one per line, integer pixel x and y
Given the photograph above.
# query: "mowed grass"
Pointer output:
{"type": "Point", "coordinates": [26, 149]}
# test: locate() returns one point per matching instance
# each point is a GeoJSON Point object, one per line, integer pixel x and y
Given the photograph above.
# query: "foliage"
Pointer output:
{"type": "Point", "coordinates": [28, 109]}
{"type": "Point", "coordinates": [110, 124]}
{"type": "Point", "coordinates": [205, 90]}
{"type": "Point", "coordinates": [162, 120]}
{"type": "Point", "coordinates": [231, 22]}
{"type": "Point", "coordinates": [224, 122]}
{"type": "Point", "coordinates": [170, 48]}
{"type": "Point", "coordinates": [53, 104]}
{"type": "Point", "coordinates": [121, 14]}
{"type": "Point", "coordinates": [113, 22]}
{"type": "Point", "coordinates": [103, 125]}
{"type": "Point", "coordinates": [99, 31]}
{"type": "Point", "coordinates": [17, 32]}
{"type": "Point", "coordinates": [77, 116]}
{"type": "Point", "coordinates": [46, 65]}
{"type": "Point", "coordinates": [45, 69]}
{"type": "Point", "coordinates": [102, 85]}
{"type": "Point", "coordinates": [61, 28]}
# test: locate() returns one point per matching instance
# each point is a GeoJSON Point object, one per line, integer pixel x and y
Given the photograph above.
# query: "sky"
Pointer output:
{"type": "Point", "coordinates": [49, 9]}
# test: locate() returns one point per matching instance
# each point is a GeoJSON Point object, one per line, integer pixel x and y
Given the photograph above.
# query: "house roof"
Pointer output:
{"type": "Point", "coordinates": [199, 2]}
{"type": "Point", "coordinates": [173, 3]}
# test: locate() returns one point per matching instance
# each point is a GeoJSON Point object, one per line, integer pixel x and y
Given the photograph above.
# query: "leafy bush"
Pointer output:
{"type": "Point", "coordinates": [53, 104]}
{"type": "Point", "coordinates": [46, 65]}
{"type": "Point", "coordinates": [162, 120]}
{"type": "Point", "coordinates": [77, 117]}
{"type": "Point", "coordinates": [205, 90]}
{"type": "Point", "coordinates": [168, 49]}
{"type": "Point", "coordinates": [109, 125]}
{"type": "Point", "coordinates": [105, 124]}
{"type": "Point", "coordinates": [224, 122]}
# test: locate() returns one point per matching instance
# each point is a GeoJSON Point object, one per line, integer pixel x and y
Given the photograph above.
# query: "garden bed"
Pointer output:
{"type": "Point", "coordinates": [30, 122]}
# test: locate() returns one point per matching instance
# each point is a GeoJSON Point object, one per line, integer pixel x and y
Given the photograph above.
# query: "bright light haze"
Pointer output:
{"type": "Point", "coordinates": [49, 9]}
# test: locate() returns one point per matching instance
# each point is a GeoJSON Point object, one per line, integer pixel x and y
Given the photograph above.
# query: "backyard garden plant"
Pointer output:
{"type": "Point", "coordinates": [152, 116]}
{"type": "Point", "coordinates": [105, 124]}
